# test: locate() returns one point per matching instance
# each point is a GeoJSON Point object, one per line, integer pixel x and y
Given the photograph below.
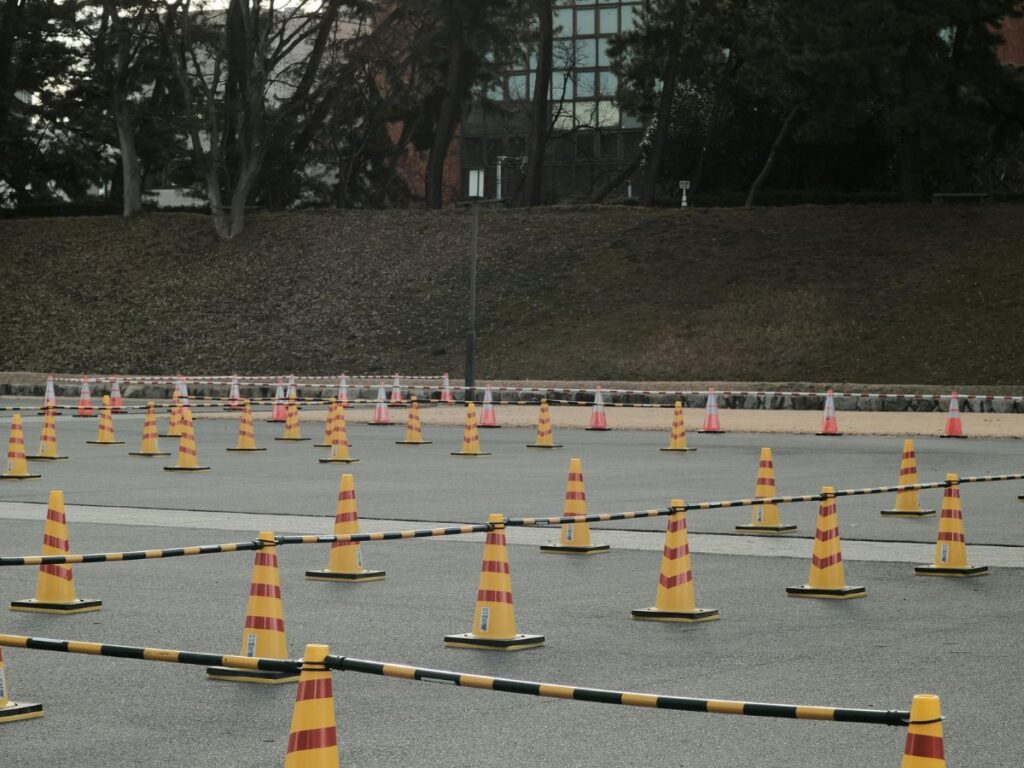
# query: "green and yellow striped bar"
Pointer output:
{"type": "Point", "coordinates": [601, 696]}
{"type": "Point", "coordinates": [149, 654]}
{"type": "Point", "coordinates": [142, 554]}
{"type": "Point", "coordinates": [415, 533]}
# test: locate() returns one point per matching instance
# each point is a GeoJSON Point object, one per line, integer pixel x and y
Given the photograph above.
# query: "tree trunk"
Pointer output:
{"type": "Point", "coordinates": [131, 169]}
{"type": "Point", "coordinates": [649, 181]}
{"type": "Point", "coordinates": [533, 186]}
{"type": "Point", "coordinates": [599, 194]}
{"type": "Point", "coordinates": [773, 156]}
{"type": "Point", "coordinates": [448, 115]}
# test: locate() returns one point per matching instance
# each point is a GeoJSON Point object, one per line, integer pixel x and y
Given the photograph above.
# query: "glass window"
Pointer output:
{"type": "Point", "coordinates": [564, 116]}
{"type": "Point", "coordinates": [630, 17]}
{"type": "Point", "coordinates": [561, 86]}
{"type": "Point", "coordinates": [607, 114]}
{"type": "Point", "coordinates": [586, 113]}
{"type": "Point", "coordinates": [517, 87]}
{"type": "Point", "coordinates": [496, 92]}
{"type": "Point", "coordinates": [563, 22]}
{"type": "Point", "coordinates": [609, 83]}
{"type": "Point", "coordinates": [631, 121]}
{"type": "Point", "coordinates": [586, 53]}
{"type": "Point", "coordinates": [609, 19]}
{"type": "Point", "coordinates": [585, 23]}
{"type": "Point", "coordinates": [585, 85]}
{"type": "Point", "coordinates": [603, 59]}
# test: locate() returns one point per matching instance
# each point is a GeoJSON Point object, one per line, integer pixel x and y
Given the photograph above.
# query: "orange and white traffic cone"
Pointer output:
{"type": "Point", "coordinates": [234, 396]}
{"type": "Point", "coordinates": [17, 466]}
{"type": "Point", "coordinates": [85, 410]}
{"type": "Point", "coordinates": [150, 444]}
{"type": "Point", "coordinates": [188, 460]}
{"type": "Point", "coordinates": [829, 424]}
{"type": "Point", "coordinates": [470, 436]}
{"type": "Point", "coordinates": [765, 518]}
{"type": "Point", "coordinates": [328, 425]}
{"type": "Point", "coordinates": [343, 390]}
{"type": "Point", "coordinates": [494, 619]}
{"type": "Point", "coordinates": [11, 711]}
{"type": "Point", "coordinates": [346, 558]}
{"type": "Point", "coordinates": [598, 420]}
{"type": "Point", "coordinates": [246, 431]}
{"type": "Point", "coordinates": [951, 546]}
{"type": "Point", "coordinates": [263, 635]}
{"type": "Point", "coordinates": [827, 579]}
{"type": "Point", "coordinates": [396, 392]}
{"type": "Point", "coordinates": [545, 432]}
{"type": "Point", "coordinates": [488, 418]}
{"type": "Point", "coordinates": [339, 439]}
{"type": "Point", "coordinates": [413, 426]}
{"type": "Point", "coordinates": [48, 439]}
{"type": "Point", "coordinates": [575, 537]}
{"type": "Point", "coordinates": [953, 426]}
{"type": "Point", "coordinates": [446, 390]}
{"type": "Point", "coordinates": [292, 429]}
{"type": "Point", "coordinates": [677, 437]}
{"type": "Point", "coordinates": [55, 585]}
{"type": "Point", "coordinates": [49, 398]}
{"type": "Point", "coordinates": [675, 600]}
{"type": "Point", "coordinates": [174, 418]}
{"type": "Point", "coordinates": [116, 398]}
{"type": "Point", "coordinates": [908, 502]}
{"type": "Point", "coordinates": [924, 747]}
{"type": "Point", "coordinates": [711, 425]}
{"type": "Point", "coordinates": [381, 418]}
{"type": "Point", "coordinates": [105, 429]}
{"type": "Point", "coordinates": [279, 412]}
{"type": "Point", "coordinates": [313, 737]}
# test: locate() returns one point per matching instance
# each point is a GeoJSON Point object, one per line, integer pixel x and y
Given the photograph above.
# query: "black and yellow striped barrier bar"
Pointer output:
{"type": "Point", "coordinates": [528, 522]}
{"type": "Point", "coordinates": [483, 682]}
{"type": "Point", "coordinates": [150, 654]}
{"type": "Point", "coordinates": [415, 533]}
{"type": "Point", "coordinates": [141, 554]}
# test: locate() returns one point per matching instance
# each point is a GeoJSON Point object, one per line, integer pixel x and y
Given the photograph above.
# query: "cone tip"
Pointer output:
{"type": "Point", "coordinates": [348, 482]}
{"type": "Point", "coordinates": [315, 652]}
{"type": "Point", "coordinates": [952, 477]}
{"type": "Point", "coordinates": [575, 465]}
{"type": "Point", "coordinates": [925, 707]}
{"type": "Point", "coordinates": [267, 536]}
{"type": "Point", "coordinates": [56, 497]}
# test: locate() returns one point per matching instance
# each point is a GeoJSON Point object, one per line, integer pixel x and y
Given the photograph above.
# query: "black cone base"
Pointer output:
{"type": "Point", "coordinates": [594, 549]}
{"type": "Point", "coordinates": [900, 513]}
{"type": "Point", "coordinates": [266, 677]}
{"type": "Point", "coordinates": [488, 426]}
{"type": "Point", "coordinates": [157, 453]}
{"type": "Point", "coordinates": [829, 434]}
{"type": "Point", "coordinates": [38, 606]}
{"type": "Point", "coordinates": [534, 445]}
{"type": "Point", "coordinates": [842, 593]}
{"type": "Point", "coordinates": [766, 530]}
{"type": "Point", "coordinates": [710, 431]}
{"type": "Point", "coordinates": [337, 461]}
{"type": "Point", "coordinates": [697, 614]}
{"type": "Point", "coordinates": [173, 437]}
{"type": "Point", "coordinates": [104, 442]}
{"type": "Point", "coordinates": [599, 429]}
{"type": "Point", "coordinates": [45, 458]}
{"type": "Point", "coordinates": [20, 477]}
{"type": "Point", "coordinates": [244, 450]}
{"type": "Point", "coordinates": [185, 469]}
{"type": "Point", "coordinates": [461, 453]}
{"type": "Point", "coordinates": [954, 437]}
{"type": "Point", "coordinates": [677, 450]}
{"type": "Point", "coordinates": [970, 570]}
{"type": "Point", "coordinates": [15, 711]}
{"type": "Point", "coordinates": [413, 442]}
{"type": "Point", "coordinates": [83, 415]}
{"type": "Point", "coordinates": [292, 439]}
{"type": "Point", "coordinates": [321, 445]}
{"type": "Point", "coordinates": [381, 423]}
{"type": "Point", "coordinates": [517, 643]}
{"type": "Point", "coordinates": [326, 575]}
{"type": "Point", "coordinates": [275, 421]}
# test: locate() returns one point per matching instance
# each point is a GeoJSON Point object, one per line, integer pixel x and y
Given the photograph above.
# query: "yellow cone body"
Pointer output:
{"type": "Point", "coordinates": [575, 534]}
{"type": "Point", "coordinates": [105, 428]}
{"type": "Point", "coordinates": [827, 579]}
{"type": "Point", "coordinates": [187, 456]}
{"type": "Point", "coordinates": [246, 430]}
{"type": "Point", "coordinates": [292, 431]}
{"type": "Point", "coordinates": [925, 747]}
{"type": "Point", "coordinates": [470, 435]}
{"type": "Point", "coordinates": [11, 711]}
{"type": "Point", "coordinates": [951, 544]}
{"type": "Point", "coordinates": [545, 432]}
{"type": "Point", "coordinates": [339, 438]}
{"type": "Point", "coordinates": [413, 427]}
{"type": "Point", "coordinates": [346, 556]}
{"type": "Point", "coordinates": [150, 443]}
{"type": "Point", "coordinates": [17, 465]}
{"type": "Point", "coordinates": [908, 501]}
{"type": "Point", "coordinates": [764, 518]}
{"type": "Point", "coordinates": [264, 615]}
{"type": "Point", "coordinates": [677, 437]}
{"type": "Point", "coordinates": [174, 425]}
{"type": "Point", "coordinates": [313, 737]}
{"type": "Point", "coordinates": [328, 424]}
{"type": "Point", "coordinates": [48, 437]}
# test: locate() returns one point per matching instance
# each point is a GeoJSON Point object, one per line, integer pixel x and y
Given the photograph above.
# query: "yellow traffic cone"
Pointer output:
{"type": "Point", "coordinates": [150, 444]}
{"type": "Point", "coordinates": [470, 436]}
{"type": "Point", "coordinates": [263, 635]}
{"type": "Point", "coordinates": [675, 600]}
{"type": "Point", "coordinates": [55, 585]}
{"type": "Point", "coordinates": [48, 438]}
{"type": "Point", "coordinates": [246, 431]}
{"type": "Point", "coordinates": [827, 579]}
{"type": "Point", "coordinates": [908, 503]}
{"type": "Point", "coordinates": [677, 437]}
{"type": "Point", "coordinates": [313, 737]}
{"type": "Point", "coordinates": [545, 433]}
{"type": "Point", "coordinates": [346, 559]}
{"type": "Point", "coordinates": [17, 466]}
{"type": "Point", "coordinates": [174, 420]}
{"type": "Point", "coordinates": [575, 537]}
{"type": "Point", "coordinates": [494, 620]}
{"type": "Point", "coordinates": [187, 457]}
{"type": "Point", "coordinates": [413, 426]}
{"type": "Point", "coordinates": [105, 430]}
{"type": "Point", "coordinates": [328, 425]}
{"type": "Point", "coordinates": [14, 710]}
{"type": "Point", "coordinates": [951, 546]}
{"type": "Point", "coordinates": [764, 519]}
{"type": "Point", "coordinates": [339, 439]}
{"type": "Point", "coordinates": [292, 431]}
{"type": "Point", "coordinates": [925, 747]}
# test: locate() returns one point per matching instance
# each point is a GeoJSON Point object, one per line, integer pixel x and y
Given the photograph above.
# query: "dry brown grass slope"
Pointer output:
{"type": "Point", "coordinates": [892, 294]}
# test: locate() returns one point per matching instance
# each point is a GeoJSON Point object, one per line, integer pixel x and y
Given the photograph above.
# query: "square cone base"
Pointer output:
{"type": "Point", "coordinates": [677, 450]}
{"type": "Point", "coordinates": [244, 450]}
{"type": "Point", "coordinates": [186, 469]}
{"type": "Point", "coordinates": [461, 453]}
{"type": "Point", "coordinates": [488, 426]}
{"type": "Point", "coordinates": [20, 477]}
{"type": "Point", "coordinates": [594, 549]}
{"type": "Point", "coordinates": [321, 445]}
{"type": "Point", "coordinates": [337, 461]}
{"type": "Point", "coordinates": [599, 429]}
{"type": "Point", "coordinates": [32, 605]}
{"type": "Point", "coordinates": [293, 439]}
{"type": "Point", "coordinates": [414, 442]}
{"type": "Point", "coordinates": [15, 711]}
{"type": "Point", "coordinates": [912, 513]}
{"type": "Point", "coordinates": [954, 437]}
{"type": "Point", "coordinates": [45, 458]}
{"type": "Point", "coordinates": [353, 577]}
{"type": "Point", "coordinates": [158, 453]}
{"type": "Point", "coordinates": [534, 445]}
{"type": "Point", "coordinates": [829, 434]}
{"type": "Point", "coordinates": [697, 614]}
{"type": "Point", "coordinates": [104, 442]}
{"type": "Point", "coordinates": [516, 643]}
{"type": "Point", "coordinates": [970, 570]}
{"type": "Point", "coordinates": [83, 415]}
{"type": "Point", "coordinates": [381, 423]}
{"type": "Point", "coordinates": [267, 677]}
{"type": "Point", "coordinates": [766, 530]}
{"type": "Point", "coordinates": [710, 431]}
{"type": "Point", "coordinates": [842, 593]}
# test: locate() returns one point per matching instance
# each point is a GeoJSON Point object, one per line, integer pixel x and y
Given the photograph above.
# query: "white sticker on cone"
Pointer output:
{"type": "Point", "coordinates": [485, 618]}
{"type": "Point", "coordinates": [250, 644]}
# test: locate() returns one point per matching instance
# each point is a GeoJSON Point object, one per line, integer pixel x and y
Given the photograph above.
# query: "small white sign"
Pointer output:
{"type": "Point", "coordinates": [476, 183]}
{"type": "Point", "coordinates": [684, 185]}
